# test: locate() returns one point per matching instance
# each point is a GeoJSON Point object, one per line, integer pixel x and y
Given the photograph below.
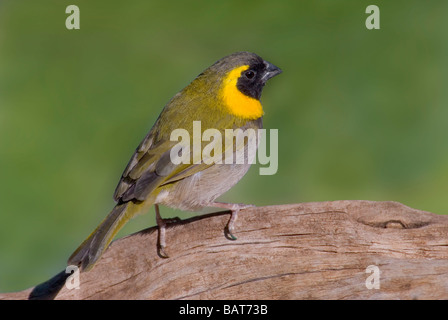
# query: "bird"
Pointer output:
{"type": "Point", "coordinates": [226, 95]}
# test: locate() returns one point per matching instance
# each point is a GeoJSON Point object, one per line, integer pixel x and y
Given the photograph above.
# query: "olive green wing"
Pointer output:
{"type": "Point", "coordinates": [151, 166]}
{"type": "Point", "coordinates": [139, 170]}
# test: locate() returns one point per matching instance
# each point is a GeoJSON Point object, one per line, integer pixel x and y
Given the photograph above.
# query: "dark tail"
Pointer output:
{"type": "Point", "coordinates": [93, 247]}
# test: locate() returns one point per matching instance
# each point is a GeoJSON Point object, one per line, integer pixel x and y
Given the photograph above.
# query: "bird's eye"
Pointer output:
{"type": "Point", "coordinates": [249, 74]}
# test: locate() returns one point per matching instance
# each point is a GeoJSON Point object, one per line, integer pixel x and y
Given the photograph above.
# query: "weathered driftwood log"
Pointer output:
{"type": "Point", "coordinates": [298, 251]}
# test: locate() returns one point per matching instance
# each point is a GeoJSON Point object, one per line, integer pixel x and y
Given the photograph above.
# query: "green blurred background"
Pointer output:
{"type": "Point", "coordinates": [361, 114]}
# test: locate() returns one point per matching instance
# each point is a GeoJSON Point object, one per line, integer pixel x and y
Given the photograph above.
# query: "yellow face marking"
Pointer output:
{"type": "Point", "coordinates": [237, 102]}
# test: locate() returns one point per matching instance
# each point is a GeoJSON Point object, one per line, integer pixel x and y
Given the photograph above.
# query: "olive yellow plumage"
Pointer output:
{"type": "Point", "coordinates": [224, 96]}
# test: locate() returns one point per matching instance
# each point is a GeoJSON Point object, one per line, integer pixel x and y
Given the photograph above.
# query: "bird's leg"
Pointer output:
{"type": "Point", "coordinates": [162, 228]}
{"type": "Point", "coordinates": [234, 209]}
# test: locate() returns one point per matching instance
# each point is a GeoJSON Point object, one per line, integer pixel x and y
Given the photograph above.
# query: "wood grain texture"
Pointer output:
{"type": "Point", "coordinates": [300, 251]}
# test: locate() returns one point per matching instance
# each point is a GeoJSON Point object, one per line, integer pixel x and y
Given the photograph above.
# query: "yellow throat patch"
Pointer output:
{"type": "Point", "coordinates": [237, 102]}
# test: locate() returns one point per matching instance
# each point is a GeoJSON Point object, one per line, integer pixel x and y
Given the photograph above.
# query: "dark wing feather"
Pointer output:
{"type": "Point", "coordinates": [133, 171]}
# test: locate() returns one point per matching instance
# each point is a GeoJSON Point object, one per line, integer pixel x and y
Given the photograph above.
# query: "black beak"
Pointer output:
{"type": "Point", "coordinates": [270, 71]}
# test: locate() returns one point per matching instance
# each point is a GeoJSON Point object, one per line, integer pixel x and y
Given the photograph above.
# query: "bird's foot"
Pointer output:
{"type": "Point", "coordinates": [234, 209]}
